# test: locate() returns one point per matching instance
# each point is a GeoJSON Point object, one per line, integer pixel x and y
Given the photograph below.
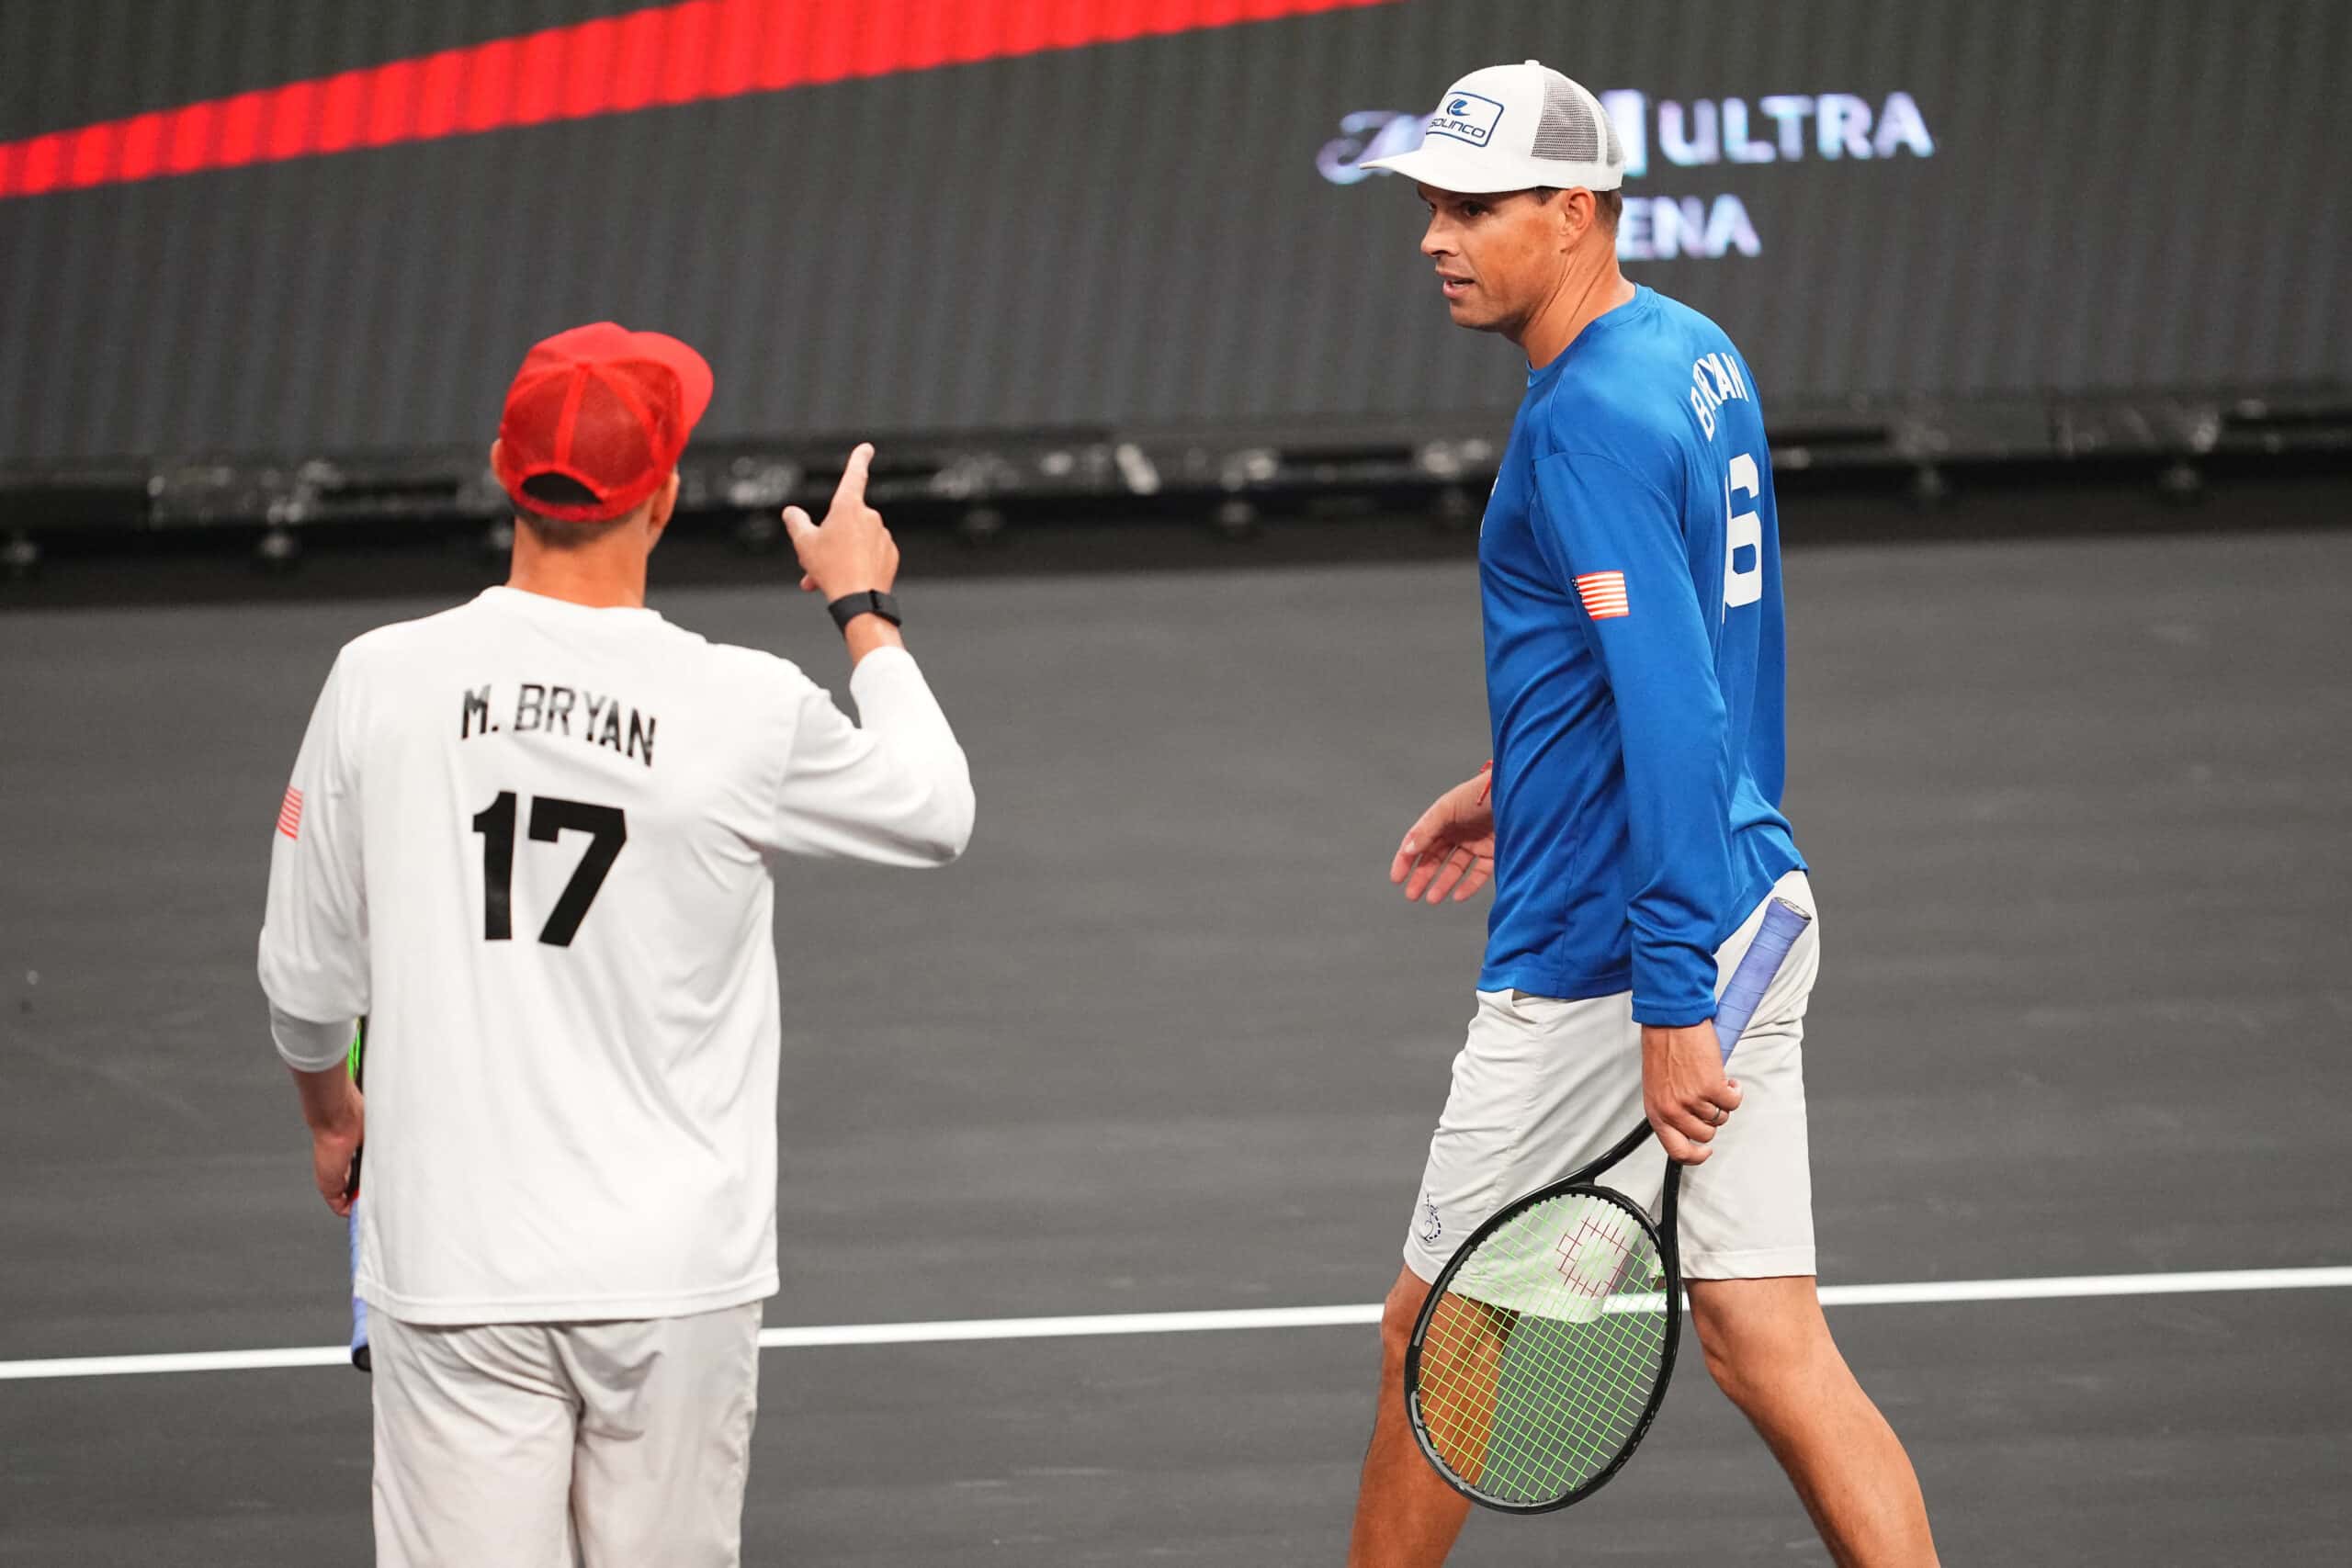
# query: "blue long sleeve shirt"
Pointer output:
{"type": "Point", "coordinates": [1630, 574]}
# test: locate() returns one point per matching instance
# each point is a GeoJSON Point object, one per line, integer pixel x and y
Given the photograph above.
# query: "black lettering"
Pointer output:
{"type": "Point", "coordinates": [594, 705]}
{"type": "Point", "coordinates": [550, 819]}
{"type": "Point", "coordinates": [528, 701]}
{"type": "Point", "coordinates": [640, 735]}
{"type": "Point", "coordinates": [560, 700]}
{"type": "Point", "coordinates": [608, 830]}
{"type": "Point", "coordinates": [612, 736]}
{"type": "Point", "coordinates": [495, 823]}
{"type": "Point", "coordinates": [476, 715]}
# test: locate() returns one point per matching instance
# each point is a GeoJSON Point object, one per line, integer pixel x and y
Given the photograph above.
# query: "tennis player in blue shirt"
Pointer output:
{"type": "Point", "coordinates": [1630, 578]}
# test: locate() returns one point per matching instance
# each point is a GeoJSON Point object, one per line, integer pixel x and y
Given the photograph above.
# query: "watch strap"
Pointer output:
{"type": "Point", "coordinates": [871, 602]}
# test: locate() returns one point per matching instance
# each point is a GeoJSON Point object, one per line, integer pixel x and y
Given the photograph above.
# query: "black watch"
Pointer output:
{"type": "Point", "coordinates": [849, 606]}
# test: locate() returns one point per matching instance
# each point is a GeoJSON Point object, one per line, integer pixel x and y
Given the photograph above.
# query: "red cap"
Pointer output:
{"type": "Point", "coordinates": [606, 408]}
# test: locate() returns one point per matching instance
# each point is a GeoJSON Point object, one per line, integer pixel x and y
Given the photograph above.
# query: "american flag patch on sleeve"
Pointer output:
{"type": "Point", "coordinates": [1603, 593]}
{"type": "Point", "coordinates": [289, 813]}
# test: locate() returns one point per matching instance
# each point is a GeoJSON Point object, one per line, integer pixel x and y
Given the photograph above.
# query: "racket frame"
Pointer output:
{"type": "Point", "coordinates": [1662, 1235]}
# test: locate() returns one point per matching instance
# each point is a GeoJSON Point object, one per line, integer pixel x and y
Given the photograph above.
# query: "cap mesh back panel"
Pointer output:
{"type": "Point", "coordinates": [531, 418]}
{"type": "Point", "coordinates": [608, 440]}
{"type": "Point", "coordinates": [1566, 130]}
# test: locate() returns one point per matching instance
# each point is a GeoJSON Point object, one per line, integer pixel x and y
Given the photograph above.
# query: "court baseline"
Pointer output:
{"type": "Point", "coordinates": [1907, 1293]}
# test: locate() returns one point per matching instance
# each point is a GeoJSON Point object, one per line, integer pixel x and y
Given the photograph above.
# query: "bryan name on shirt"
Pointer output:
{"type": "Point", "coordinates": [549, 709]}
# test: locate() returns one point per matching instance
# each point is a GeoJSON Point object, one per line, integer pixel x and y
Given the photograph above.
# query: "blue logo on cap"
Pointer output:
{"type": "Point", "coordinates": [1466, 117]}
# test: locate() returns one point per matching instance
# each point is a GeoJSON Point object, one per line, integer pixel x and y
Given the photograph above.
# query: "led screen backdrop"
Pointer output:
{"type": "Point", "coordinates": [285, 226]}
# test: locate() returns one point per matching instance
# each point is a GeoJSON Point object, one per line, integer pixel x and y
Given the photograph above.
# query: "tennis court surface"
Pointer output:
{"type": "Point", "coordinates": [1166, 1042]}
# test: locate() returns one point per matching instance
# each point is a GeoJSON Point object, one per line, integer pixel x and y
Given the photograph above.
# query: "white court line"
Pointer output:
{"type": "Point", "coordinates": [1921, 1292]}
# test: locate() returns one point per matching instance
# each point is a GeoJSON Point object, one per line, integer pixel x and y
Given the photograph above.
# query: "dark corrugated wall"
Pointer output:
{"type": "Point", "coordinates": [2137, 195]}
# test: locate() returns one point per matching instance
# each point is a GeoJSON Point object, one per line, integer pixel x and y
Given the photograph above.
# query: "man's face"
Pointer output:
{"type": "Point", "coordinates": [1498, 257]}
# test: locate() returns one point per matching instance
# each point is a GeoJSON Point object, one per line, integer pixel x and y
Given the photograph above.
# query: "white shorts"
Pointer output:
{"type": "Point", "coordinates": [543, 1445]}
{"type": "Point", "coordinates": [1542, 1085]}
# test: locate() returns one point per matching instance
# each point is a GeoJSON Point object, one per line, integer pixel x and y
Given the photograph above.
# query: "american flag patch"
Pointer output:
{"type": "Point", "coordinates": [289, 813]}
{"type": "Point", "coordinates": [1603, 593]}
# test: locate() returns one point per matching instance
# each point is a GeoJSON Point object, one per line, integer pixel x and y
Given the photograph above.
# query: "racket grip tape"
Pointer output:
{"type": "Point", "coordinates": [1783, 923]}
{"type": "Point", "coordinates": [360, 1355]}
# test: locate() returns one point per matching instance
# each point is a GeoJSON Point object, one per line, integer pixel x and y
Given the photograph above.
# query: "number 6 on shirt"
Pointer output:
{"type": "Point", "coordinates": [1743, 531]}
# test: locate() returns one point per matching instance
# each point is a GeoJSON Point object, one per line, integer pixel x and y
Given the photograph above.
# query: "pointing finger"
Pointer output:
{"type": "Point", "coordinates": [852, 490]}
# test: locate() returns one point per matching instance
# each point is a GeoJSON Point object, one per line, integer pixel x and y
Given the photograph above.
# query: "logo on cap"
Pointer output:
{"type": "Point", "coordinates": [1466, 117]}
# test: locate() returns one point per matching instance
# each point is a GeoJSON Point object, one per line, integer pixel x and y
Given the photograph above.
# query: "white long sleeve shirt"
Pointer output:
{"type": "Point", "coordinates": [532, 841]}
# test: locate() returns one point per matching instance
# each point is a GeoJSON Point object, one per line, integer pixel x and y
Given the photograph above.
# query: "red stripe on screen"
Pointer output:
{"type": "Point", "coordinates": [660, 55]}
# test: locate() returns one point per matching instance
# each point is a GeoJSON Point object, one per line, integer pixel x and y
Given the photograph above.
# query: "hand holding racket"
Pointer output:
{"type": "Point", "coordinates": [1544, 1348]}
{"type": "Point", "coordinates": [1686, 1093]}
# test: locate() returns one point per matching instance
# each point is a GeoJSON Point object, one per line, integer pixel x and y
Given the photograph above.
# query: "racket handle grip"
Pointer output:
{"type": "Point", "coordinates": [1783, 923]}
{"type": "Point", "coordinates": [360, 1355]}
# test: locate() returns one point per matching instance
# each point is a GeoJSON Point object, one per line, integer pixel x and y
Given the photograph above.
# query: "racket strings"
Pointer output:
{"type": "Point", "coordinates": [1540, 1358]}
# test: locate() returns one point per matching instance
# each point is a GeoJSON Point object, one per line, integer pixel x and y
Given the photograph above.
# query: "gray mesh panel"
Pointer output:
{"type": "Point", "coordinates": [1616, 152]}
{"type": "Point", "coordinates": [1565, 129]}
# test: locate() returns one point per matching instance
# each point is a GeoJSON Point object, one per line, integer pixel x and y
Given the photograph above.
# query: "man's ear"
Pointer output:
{"type": "Point", "coordinates": [1577, 213]}
{"type": "Point", "coordinates": [665, 502]}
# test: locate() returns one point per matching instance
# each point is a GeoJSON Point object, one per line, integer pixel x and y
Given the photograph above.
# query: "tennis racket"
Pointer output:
{"type": "Point", "coordinates": [356, 1062]}
{"type": "Point", "coordinates": [1543, 1348]}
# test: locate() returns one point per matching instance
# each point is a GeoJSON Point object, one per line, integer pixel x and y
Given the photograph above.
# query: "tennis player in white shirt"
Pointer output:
{"type": "Point", "coordinates": [533, 840]}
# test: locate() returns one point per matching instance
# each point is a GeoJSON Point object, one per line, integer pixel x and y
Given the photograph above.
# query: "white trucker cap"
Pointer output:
{"type": "Point", "coordinates": [1514, 128]}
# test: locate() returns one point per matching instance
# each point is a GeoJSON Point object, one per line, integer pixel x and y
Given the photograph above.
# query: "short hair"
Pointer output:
{"type": "Point", "coordinates": [557, 533]}
{"type": "Point", "coordinates": [1607, 205]}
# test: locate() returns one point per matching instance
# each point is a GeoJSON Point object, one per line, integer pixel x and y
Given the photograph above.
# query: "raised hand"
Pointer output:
{"type": "Point", "coordinates": [852, 552]}
{"type": "Point", "coordinates": [1451, 848]}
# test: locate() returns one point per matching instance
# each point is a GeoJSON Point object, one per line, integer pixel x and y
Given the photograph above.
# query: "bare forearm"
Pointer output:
{"type": "Point", "coordinates": [866, 633]}
{"type": "Point", "coordinates": [330, 1103]}
{"type": "Point", "coordinates": [338, 1120]}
